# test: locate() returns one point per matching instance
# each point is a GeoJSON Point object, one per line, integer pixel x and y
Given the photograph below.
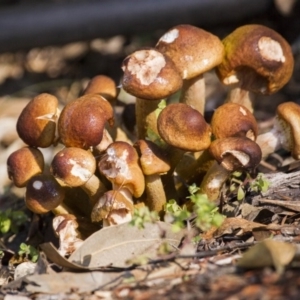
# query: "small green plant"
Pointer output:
{"type": "Point", "coordinates": [206, 212]}
{"type": "Point", "coordinates": [28, 252]}
{"type": "Point", "coordinates": [241, 183]}
{"type": "Point", "coordinates": [143, 215]}
{"type": "Point", "coordinates": [259, 184]}
{"type": "Point", "coordinates": [176, 215]}
{"type": "Point", "coordinates": [10, 221]}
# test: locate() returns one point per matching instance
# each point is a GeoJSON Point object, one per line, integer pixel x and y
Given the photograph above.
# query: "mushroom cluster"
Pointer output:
{"type": "Point", "coordinates": [117, 174]}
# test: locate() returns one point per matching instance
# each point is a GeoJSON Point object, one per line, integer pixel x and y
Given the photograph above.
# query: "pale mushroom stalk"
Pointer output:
{"type": "Point", "coordinates": [213, 181]}
{"type": "Point", "coordinates": [284, 133]}
{"type": "Point", "coordinates": [62, 209]}
{"type": "Point", "coordinates": [270, 142]}
{"type": "Point", "coordinates": [193, 93]}
{"type": "Point", "coordinates": [241, 96]}
{"type": "Point", "coordinates": [156, 196]}
{"type": "Point", "coordinates": [146, 117]}
{"type": "Point", "coordinates": [94, 189]}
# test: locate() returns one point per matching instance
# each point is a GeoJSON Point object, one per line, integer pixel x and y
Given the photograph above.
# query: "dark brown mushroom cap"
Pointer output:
{"type": "Point", "coordinates": [120, 165]}
{"type": "Point", "coordinates": [193, 50]}
{"type": "Point", "coordinates": [24, 163]}
{"type": "Point", "coordinates": [102, 85]}
{"type": "Point", "coordinates": [181, 126]}
{"type": "Point", "coordinates": [43, 193]}
{"type": "Point", "coordinates": [258, 58]}
{"type": "Point", "coordinates": [36, 124]}
{"type": "Point", "coordinates": [288, 114]}
{"type": "Point", "coordinates": [82, 121]}
{"type": "Point", "coordinates": [233, 119]}
{"type": "Point", "coordinates": [73, 166]}
{"type": "Point", "coordinates": [153, 159]}
{"type": "Point", "coordinates": [236, 153]}
{"type": "Point", "coordinates": [149, 74]}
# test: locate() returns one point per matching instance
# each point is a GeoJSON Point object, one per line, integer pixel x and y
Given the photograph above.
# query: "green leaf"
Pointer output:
{"type": "Point", "coordinates": [5, 224]}
{"type": "Point", "coordinates": [240, 193]}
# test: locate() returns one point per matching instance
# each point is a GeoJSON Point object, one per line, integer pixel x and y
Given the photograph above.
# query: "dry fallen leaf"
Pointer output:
{"type": "Point", "coordinates": [236, 226]}
{"type": "Point", "coordinates": [114, 246]}
{"type": "Point", "coordinates": [269, 253]}
{"type": "Point", "coordinates": [67, 282]}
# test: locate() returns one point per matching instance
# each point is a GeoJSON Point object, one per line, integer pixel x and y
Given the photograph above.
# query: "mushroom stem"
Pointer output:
{"type": "Point", "coordinates": [62, 209]}
{"type": "Point", "coordinates": [273, 140]}
{"type": "Point", "coordinates": [146, 118]}
{"type": "Point", "coordinates": [156, 197]}
{"type": "Point", "coordinates": [94, 189]}
{"type": "Point", "coordinates": [241, 96]}
{"type": "Point", "coordinates": [213, 181]}
{"type": "Point", "coordinates": [192, 168]}
{"type": "Point", "coordinates": [193, 93]}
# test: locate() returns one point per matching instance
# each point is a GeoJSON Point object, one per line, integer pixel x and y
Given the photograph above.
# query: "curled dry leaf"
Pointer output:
{"type": "Point", "coordinates": [114, 246]}
{"type": "Point", "coordinates": [269, 253]}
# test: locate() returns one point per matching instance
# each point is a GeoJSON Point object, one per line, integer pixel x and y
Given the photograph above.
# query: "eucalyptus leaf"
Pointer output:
{"type": "Point", "coordinates": [116, 245]}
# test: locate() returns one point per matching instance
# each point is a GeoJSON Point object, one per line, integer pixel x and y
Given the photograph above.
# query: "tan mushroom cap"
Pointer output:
{"type": "Point", "coordinates": [153, 159]}
{"type": "Point", "coordinates": [193, 50]}
{"type": "Point", "coordinates": [149, 74]}
{"type": "Point", "coordinates": [102, 85]}
{"type": "Point", "coordinates": [235, 153]}
{"type": "Point", "coordinates": [43, 193]}
{"type": "Point", "coordinates": [288, 114]}
{"type": "Point", "coordinates": [258, 58]}
{"type": "Point", "coordinates": [24, 163]}
{"type": "Point", "coordinates": [36, 124]}
{"type": "Point", "coordinates": [73, 166]}
{"type": "Point", "coordinates": [183, 127]}
{"type": "Point", "coordinates": [113, 207]}
{"type": "Point", "coordinates": [82, 121]}
{"type": "Point", "coordinates": [233, 119]}
{"type": "Point", "coordinates": [120, 165]}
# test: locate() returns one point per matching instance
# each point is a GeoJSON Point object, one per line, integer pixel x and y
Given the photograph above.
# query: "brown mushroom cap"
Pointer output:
{"type": "Point", "coordinates": [43, 193]}
{"type": "Point", "coordinates": [183, 127]}
{"type": "Point", "coordinates": [113, 207]}
{"type": "Point", "coordinates": [102, 85]}
{"type": "Point", "coordinates": [149, 74]}
{"type": "Point", "coordinates": [120, 165]}
{"type": "Point", "coordinates": [193, 50]}
{"type": "Point", "coordinates": [73, 166]}
{"type": "Point", "coordinates": [153, 159]}
{"type": "Point", "coordinates": [36, 124]}
{"type": "Point", "coordinates": [256, 57]}
{"type": "Point", "coordinates": [82, 121]}
{"type": "Point", "coordinates": [288, 115]}
{"type": "Point", "coordinates": [233, 119]}
{"type": "Point", "coordinates": [23, 164]}
{"type": "Point", "coordinates": [235, 153]}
